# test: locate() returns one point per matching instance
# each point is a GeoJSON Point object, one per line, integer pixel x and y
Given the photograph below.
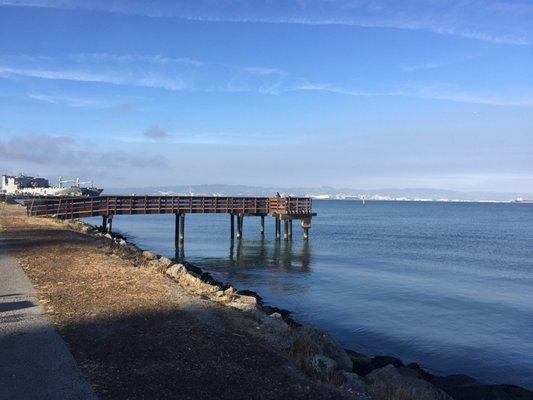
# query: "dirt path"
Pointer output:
{"type": "Point", "coordinates": [135, 334]}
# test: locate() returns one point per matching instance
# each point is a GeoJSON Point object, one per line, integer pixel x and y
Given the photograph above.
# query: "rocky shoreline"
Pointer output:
{"type": "Point", "coordinates": [314, 351]}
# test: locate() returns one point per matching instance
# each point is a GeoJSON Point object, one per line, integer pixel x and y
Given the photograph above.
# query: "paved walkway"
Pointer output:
{"type": "Point", "coordinates": [35, 363]}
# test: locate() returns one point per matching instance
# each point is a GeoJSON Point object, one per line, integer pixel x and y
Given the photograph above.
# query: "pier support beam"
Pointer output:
{"type": "Point", "coordinates": [177, 230]}
{"type": "Point", "coordinates": [306, 224]}
{"type": "Point", "coordinates": [109, 227]}
{"type": "Point", "coordinates": [290, 228]}
{"type": "Point", "coordinates": [278, 228]}
{"type": "Point", "coordinates": [181, 227]}
{"type": "Point", "coordinates": [104, 223]}
{"type": "Point", "coordinates": [286, 233]}
{"type": "Point", "coordinates": [240, 223]}
{"type": "Point", "coordinates": [232, 226]}
{"type": "Point", "coordinates": [262, 230]}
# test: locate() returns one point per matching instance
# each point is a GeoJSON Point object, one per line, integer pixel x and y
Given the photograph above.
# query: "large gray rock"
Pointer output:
{"type": "Point", "coordinates": [354, 385]}
{"type": "Point", "coordinates": [165, 262]}
{"type": "Point", "coordinates": [389, 383]}
{"type": "Point", "coordinates": [244, 302]}
{"type": "Point", "coordinates": [132, 248]}
{"type": "Point", "coordinates": [191, 281]}
{"type": "Point", "coordinates": [230, 291]}
{"type": "Point", "coordinates": [149, 255]}
{"type": "Point", "coordinates": [176, 270]}
{"type": "Point", "coordinates": [322, 367]}
{"type": "Point", "coordinates": [464, 387]}
{"type": "Point", "coordinates": [153, 264]}
{"type": "Point", "coordinates": [275, 330]}
{"type": "Point", "coordinates": [362, 364]}
{"type": "Point", "coordinates": [324, 344]}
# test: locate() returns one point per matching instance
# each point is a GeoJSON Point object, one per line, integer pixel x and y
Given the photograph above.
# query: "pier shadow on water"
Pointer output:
{"type": "Point", "coordinates": [246, 258]}
{"type": "Point", "coordinates": [279, 254]}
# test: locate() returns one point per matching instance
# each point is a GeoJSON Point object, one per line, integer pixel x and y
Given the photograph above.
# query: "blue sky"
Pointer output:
{"type": "Point", "coordinates": [364, 94]}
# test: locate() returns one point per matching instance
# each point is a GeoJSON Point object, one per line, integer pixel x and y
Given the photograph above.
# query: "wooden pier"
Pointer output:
{"type": "Point", "coordinates": [284, 210]}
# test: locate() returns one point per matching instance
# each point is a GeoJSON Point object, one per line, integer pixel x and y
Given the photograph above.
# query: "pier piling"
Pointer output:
{"type": "Point", "coordinates": [182, 228]}
{"type": "Point", "coordinates": [278, 228]}
{"type": "Point", "coordinates": [290, 228]}
{"type": "Point", "coordinates": [240, 223]}
{"type": "Point", "coordinates": [232, 226]}
{"type": "Point", "coordinates": [109, 227]}
{"type": "Point", "coordinates": [104, 223]}
{"type": "Point", "coordinates": [306, 224]}
{"type": "Point", "coordinates": [177, 230]}
{"type": "Point", "coordinates": [262, 225]}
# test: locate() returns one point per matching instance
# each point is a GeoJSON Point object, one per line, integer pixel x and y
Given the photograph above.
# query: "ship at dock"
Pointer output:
{"type": "Point", "coordinates": [28, 186]}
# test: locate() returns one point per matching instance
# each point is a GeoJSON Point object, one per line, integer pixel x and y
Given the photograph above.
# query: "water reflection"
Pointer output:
{"type": "Point", "coordinates": [179, 254]}
{"type": "Point", "coordinates": [283, 256]}
{"type": "Point", "coordinates": [390, 278]}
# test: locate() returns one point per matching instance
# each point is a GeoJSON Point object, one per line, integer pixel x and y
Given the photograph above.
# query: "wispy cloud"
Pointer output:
{"type": "Point", "coordinates": [422, 66]}
{"type": "Point", "coordinates": [66, 150]}
{"type": "Point", "coordinates": [155, 132]}
{"type": "Point", "coordinates": [144, 71]}
{"type": "Point", "coordinates": [69, 101]}
{"type": "Point", "coordinates": [488, 20]}
{"type": "Point", "coordinates": [156, 136]}
{"type": "Point", "coordinates": [440, 62]}
{"type": "Point", "coordinates": [320, 87]}
{"type": "Point", "coordinates": [447, 92]}
{"type": "Point", "coordinates": [128, 58]}
{"type": "Point", "coordinates": [174, 74]}
{"type": "Point", "coordinates": [434, 91]}
{"type": "Point", "coordinates": [78, 75]}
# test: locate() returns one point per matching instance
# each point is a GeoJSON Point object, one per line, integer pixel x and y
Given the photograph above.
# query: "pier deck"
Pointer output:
{"type": "Point", "coordinates": [284, 209]}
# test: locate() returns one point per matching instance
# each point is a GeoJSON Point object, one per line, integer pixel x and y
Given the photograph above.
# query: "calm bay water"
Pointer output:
{"type": "Point", "coordinates": [447, 285]}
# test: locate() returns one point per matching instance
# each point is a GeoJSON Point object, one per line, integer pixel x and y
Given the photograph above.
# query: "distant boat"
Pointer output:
{"type": "Point", "coordinates": [523, 201]}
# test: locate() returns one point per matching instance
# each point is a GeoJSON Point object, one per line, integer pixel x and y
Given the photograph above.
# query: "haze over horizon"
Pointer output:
{"type": "Point", "coordinates": [363, 94]}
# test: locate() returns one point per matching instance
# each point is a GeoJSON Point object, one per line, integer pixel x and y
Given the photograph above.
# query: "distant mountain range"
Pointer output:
{"type": "Point", "coordinates": [323, 192]}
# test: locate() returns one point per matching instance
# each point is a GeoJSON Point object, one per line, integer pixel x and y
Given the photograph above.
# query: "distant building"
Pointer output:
{"type": "Point", "coordinates": [10, 184]}
{"type": "Point", "coordinates": [27, 186]}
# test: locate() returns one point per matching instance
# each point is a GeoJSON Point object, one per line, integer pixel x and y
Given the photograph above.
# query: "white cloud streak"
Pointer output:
{"type": "Point", "coordinates": [436, 92]}
{"type": "Point", "coordinates": [196, 76]}
{"type": "Point", "coordinates": [76, 102]}
{"type": "Point", "coordinates": [174, 74]}
{"type": "Point", "coordinates": [486, 21]}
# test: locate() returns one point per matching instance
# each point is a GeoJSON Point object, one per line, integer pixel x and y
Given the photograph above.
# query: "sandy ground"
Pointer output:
{"type": "Point", "coordinates": [135, 334]}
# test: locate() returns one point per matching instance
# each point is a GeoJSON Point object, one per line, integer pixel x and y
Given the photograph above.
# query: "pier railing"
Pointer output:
{"type": "Point", "coordinates": [80, 207]}
{"type": "Point", "coordinates": [290, 205]}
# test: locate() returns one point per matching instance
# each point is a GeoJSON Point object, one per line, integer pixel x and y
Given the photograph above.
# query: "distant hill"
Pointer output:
{"type": "Point", "coordinates": [324, 191]}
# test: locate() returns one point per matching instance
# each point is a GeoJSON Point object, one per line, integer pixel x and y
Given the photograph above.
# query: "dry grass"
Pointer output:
{"type": "Point", "coordinates": [135, 333]}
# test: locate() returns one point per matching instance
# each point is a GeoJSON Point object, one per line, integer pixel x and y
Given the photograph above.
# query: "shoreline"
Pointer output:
{"type": "Point", "coordinates": [461, 386]}
{"type": "Point", "coordinates": [313, 351]}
